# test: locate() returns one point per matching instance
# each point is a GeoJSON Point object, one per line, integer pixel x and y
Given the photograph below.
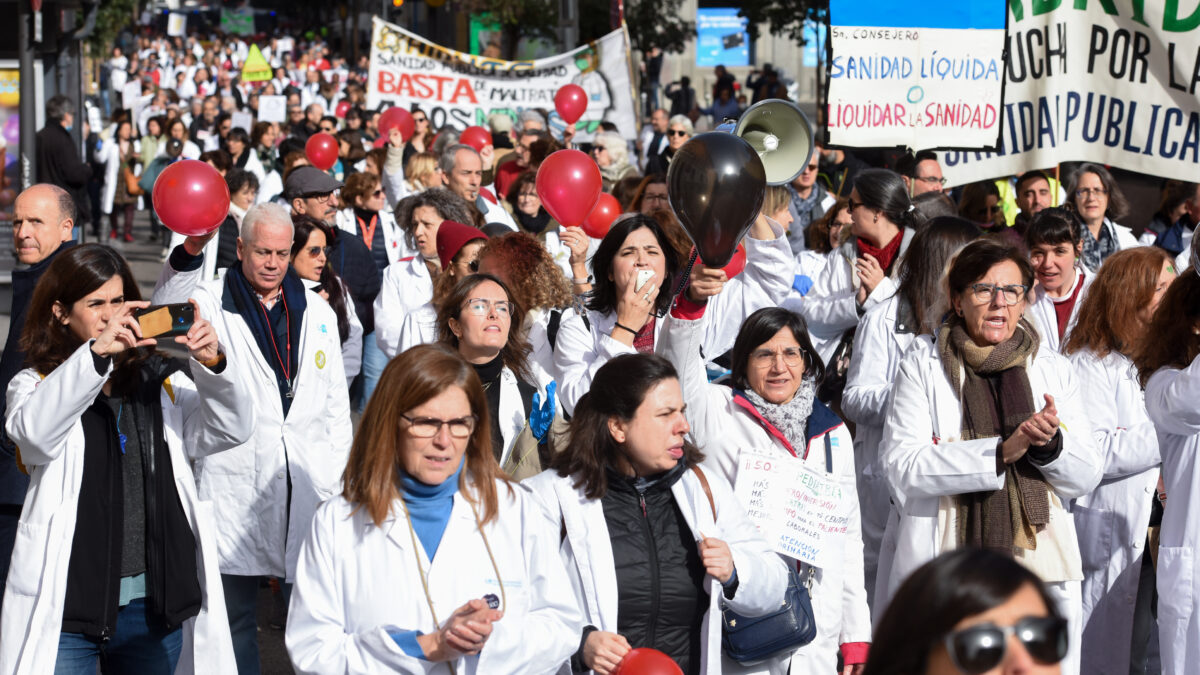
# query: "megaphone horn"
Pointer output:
{"type": "Point", "coordinates": [781, 135]}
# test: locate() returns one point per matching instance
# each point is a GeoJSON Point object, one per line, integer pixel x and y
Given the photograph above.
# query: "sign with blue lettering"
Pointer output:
{"type": "Point", "coordinates": [903, 74]}
{"type": "Point", "coordinates": [1112, 83]}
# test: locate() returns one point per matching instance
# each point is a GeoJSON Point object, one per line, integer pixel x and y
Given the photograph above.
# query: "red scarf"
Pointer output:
{"type": "Point", "coordinates": [643, 342]}
{"type": "Point", "coordinates": [886, 255]}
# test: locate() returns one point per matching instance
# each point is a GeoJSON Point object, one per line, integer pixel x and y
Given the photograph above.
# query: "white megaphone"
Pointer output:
{"type": "Point", "coordinates": [781, 135]}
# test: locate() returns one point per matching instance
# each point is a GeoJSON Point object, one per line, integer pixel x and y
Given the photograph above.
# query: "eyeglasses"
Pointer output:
{"type": "Point", "coordinates": [321, 197]}
{"type": "Point", "coordinates": [419, 120]}
{"type": "Point", "coordinates": [676, 132]}
{"type": "Point", "coordinates": [528, 195]}
{"type": "Point", "coordinates": [377, 193]}
{"type": "Point", "coordinates": [981, 648]}
{"type": "Point", "coordinates": [932, 180]}
{"type": "Point", "coordinates": [851, 205]}
{"type": "Point", "coordinates": [482, 306]}
{"type": "Point", "coordinates": [985, 292]}
{"type": "Point", "coordinates": [428, 427]}
{"type": "Point", "coordinates": [765, 358]}
{"type": "Point", "coordinates": [1090, 192]}
{"type": "Point", "coordinates": [315, 251]}
{"type": "Point", "coordinates": [810, 167]}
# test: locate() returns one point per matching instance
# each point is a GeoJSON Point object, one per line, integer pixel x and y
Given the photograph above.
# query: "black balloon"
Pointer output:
{"type": "Point", "coordinates": [716, 184]}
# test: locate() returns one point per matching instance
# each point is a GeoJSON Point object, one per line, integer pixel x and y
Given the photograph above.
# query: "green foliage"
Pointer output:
{"type": "Point", "coordinates": [658, 23]}
{"type": "Point", "coordinates": [784, 17]}
{"type": "Point", "coordinates": [111, 18]}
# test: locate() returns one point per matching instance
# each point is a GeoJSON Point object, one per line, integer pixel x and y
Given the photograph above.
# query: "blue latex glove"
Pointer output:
{"type": "Point", "coordinates": [802, 283]}
{"type": "Point", "coordinates": [543, 413]}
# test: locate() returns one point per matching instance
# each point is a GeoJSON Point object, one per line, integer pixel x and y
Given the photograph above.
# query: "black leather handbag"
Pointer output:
{"type": "Point", "coordinates": [753, 639]}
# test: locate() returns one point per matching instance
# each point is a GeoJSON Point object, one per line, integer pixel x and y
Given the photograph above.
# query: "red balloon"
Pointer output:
{"type": "Point", "coordinates": [736, 264]}
{"type": "Point", "coordinates": [476, 137]}
{"type": "Point", "coordinates": [322, 151]}
{"type": "Point", "coordinates": [341, 108]}
{"type": "Point", "coordinates": [379, 142]}
{"type": "Point", "coordinates": [568, 183]}
{"type": "Point", "coordinates": [646, 661]}
{"type": "Point", "coordinates": [397, 117]}
{"type": "Point", "coordinates": [570, 102]}
{"type": "Point", "coordinates": [191, 198]}
{"type": "Point", "coordinates": [602, 216]}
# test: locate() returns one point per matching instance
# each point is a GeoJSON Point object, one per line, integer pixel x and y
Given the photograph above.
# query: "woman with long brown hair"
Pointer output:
{"type": "Point", "coordinates": [1168, 364]}
{"type": "Point", "coordinates": [430, 554]}
{"type": "Point", "coordinates": [115, 558]}
{"type": "Point", "coordinates": [1112, 519]}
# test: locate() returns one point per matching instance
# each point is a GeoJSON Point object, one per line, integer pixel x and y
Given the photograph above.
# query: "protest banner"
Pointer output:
{"type": "Point", "coordinates": [799, 511]}
{"type": "Point", "coordinates": [1113, 83]}
{"type": "Point", "coordinates": [461, 90]}
{"type": "Point", "coordinates": [905, 75]}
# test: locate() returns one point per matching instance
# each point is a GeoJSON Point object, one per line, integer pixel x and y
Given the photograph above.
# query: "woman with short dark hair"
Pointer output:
{"type": "Point", "coordinates": [986, 441]}
{"type": "Point", "coordinates": [771, 409]}
{"type": "Point", "coordinates": [955, 613]}
{"type": "Point", "coordinates": [654, 544]}
{"type": "Point", "coordinates": [311, 240]}
{"type": "Point", "coordinates": [1055, 243]}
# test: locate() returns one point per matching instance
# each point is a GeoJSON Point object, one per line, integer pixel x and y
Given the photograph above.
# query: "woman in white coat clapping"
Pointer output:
{"type": "Point", "coordinates": [115, 558]}
{"type": "Point", "coordinates": [654, 546]}
{"type": "Point", "coordinates": [986, 440]}
{"type": "Point", "coordinates": [430, 555]}
{"type": "Point", "coordinates": [1055, 249]}
{"type": "Point", "coordinates": [772, 409]}
{"type": "Point", "coordinates": [882, 338]}
{"type": "Point", "coordinates": [1112, 520]}
{"type": "Point", "coordinates": [1169, 366]}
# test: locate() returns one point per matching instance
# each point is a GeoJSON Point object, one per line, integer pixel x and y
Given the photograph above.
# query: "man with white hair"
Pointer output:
{"type": "Point", "coordinates": [264, 492]}
{"type": "Point", "coordinates": [531, 120]}
{"type": "Point", "coordinates": [461, 169]}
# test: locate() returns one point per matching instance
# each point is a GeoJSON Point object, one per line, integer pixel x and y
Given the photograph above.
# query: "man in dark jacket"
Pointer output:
{"type": "Point", "coordinates": [43, 218]}
{"type": "Point", "coordinates": [59, 159]}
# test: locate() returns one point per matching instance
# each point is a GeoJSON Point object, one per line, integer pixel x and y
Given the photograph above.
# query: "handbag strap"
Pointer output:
{"type": "Point", "coordinates": [707, 491]}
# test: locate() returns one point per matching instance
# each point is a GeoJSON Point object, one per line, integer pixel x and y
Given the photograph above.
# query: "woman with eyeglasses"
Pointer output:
{"type": "Point", "coordinates": [408, 284]}
{"type": "Point", "coordinates": [1097, 199]}
{"type": "Point", "coordinates": [882, 338]}
{"type": "Point", "coordinates": [611, 154]}
{"type": "Point", "coordinates": [458, 248]}
{"type": "Point", "coordinates": [365, 213]}
{"type": "Point", "coordinates": [482, 321]}
{"type": "Point", "coordinates": [635, 269]}
{"type": "Point", "coordinates": [1112, 521]}
{"type": "Point", "coordinates": [986, 441]}
{"type": "Point", "coordinates": [1055, 244]}
{"type": "Point", "coordinates": [771, 409]}
{"type": "Point", "coordinates": [310, 259]}
{"type": "Point", "coordinates": [430, 555]}
{"type": "Point", "coordinates": [655, 546]}
{"type": "Point", "coordinates": [862, 272]}
{"type": "Point", "coordinates": [679, 130]}
{"type": "Point", "coordinates": [970, 612]}
{"type": "Point", "coordinates": [422, 136]}
{"type": "Point", "coordinates": [651, 195]}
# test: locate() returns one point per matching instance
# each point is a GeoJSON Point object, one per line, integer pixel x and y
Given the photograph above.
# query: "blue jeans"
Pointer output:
{"type": "Point", "coordinates": [373, 363]}
{"type": "Point", "coordinates": [135, 647]}
{"type": "Point", "coordinates": [241, 604]}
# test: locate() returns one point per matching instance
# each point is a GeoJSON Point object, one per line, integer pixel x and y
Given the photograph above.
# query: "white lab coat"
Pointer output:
{"type": "Point", "coordinates": [1173, 404]}
{"type": "Point", "coordinates": [207, 416]}
{"type": "Point", "coordinates": [586, 551]}
{"type": "Point", "coordinates": [879, 343]}
{"type": "Point", "coordinates": [254, 166]}
{"type": "Point", "coordinates": [352, 347]}
{"type": "Point", "coordinates": [830, 308]}
{"type": "Point", "coordinates": [393, 235]}
{"type": "Point", "coordinates": [1040, 311]}
{"type": "Point", "coordinates": [302, 455]}
{"type": "Point", "coordinates": [111, 153]}
{"type": "Point", "coordinates": [356, 580]}
{"type": "Point", "coordinates": [927, 464]}
{"type": "Point", "coordinates": [407, 287]}
{"type": "Point", "coordinates": [1111, 521]}
{"type": "Point", "coordinates": [493, 212]}
{"type": "Point", "coordinates": [190, 149]}
{"type": "Point", "coordinates": [765, 282]}
{"type": "Point", "coordinates": [722, 427]}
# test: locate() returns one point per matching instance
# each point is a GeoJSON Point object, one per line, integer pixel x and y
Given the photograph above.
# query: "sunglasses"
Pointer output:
{"type": "Point", "coordinates": [676, 132]}
{"type": "Point", "coordinates": [981, 648]}
{"type": "Point", "coordinates": [315, 251]}
{"type": "Point", "coordinates": [377, 193]}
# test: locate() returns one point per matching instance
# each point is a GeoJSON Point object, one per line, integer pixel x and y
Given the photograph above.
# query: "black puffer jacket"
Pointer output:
{"type": "Point", "coordinates": [660, 578]}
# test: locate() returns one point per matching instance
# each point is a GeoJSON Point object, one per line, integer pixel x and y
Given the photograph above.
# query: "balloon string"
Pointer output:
{"type": "Point", "coordinates": [687, 274]}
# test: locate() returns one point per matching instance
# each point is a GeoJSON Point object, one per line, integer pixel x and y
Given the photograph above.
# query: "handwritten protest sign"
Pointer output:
{"type": "Point", "coordinates": [1113, 83]}
{"type": "Point", "coordinates": [798, 509]}
{"type": "Point", "coordinates": [905, 74]}
{"type": "Point", "coordinates": [459, 89]}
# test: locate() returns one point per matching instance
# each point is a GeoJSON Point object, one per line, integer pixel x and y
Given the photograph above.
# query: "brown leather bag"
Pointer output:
{"type": "Point", "coordinates": [131, 181]}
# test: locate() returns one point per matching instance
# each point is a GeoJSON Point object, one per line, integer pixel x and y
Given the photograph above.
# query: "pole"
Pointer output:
{"type": "Point", "coordinates": [27, 106]}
